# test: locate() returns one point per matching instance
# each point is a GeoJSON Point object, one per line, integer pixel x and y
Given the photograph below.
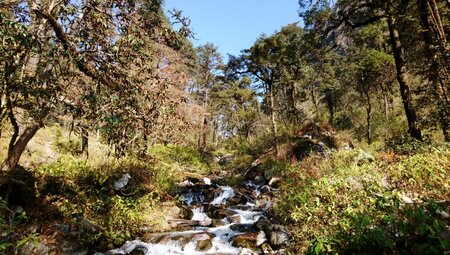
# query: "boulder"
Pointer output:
{"type": "Point", "coordinates": [235, 218]}
{"type": "Point", "coordinates": [305, 147]}
{"type": "Point", "coordinates": [225, 159]}
{"type": "Point", "coordinates": [277, 235]}
{"type": "Point", "coordinates": [278, 239]}
{"type": "Point", "coordinates": [237, 199]}
{"type": "Point", "coordinates": [204, 245]}
{"type": "Point", "coordinates": [35, 249]}
{"type": "Point", "coordinates": [218, 223]}
{"type": "Point", "coordinates": [122, 182]}
{"type": "Point", "coordinates": [263, 201]}
{"type": "Point", "coordinates": [216, 212]}
{"type": "Point", "coordinates": [73, 247]}
{"type": "Point", "coordinates": [243, 228]}
{"type": "Point", "coordinates": [364, 158]}
{"type": "Point", "coordinates": [247, 240]}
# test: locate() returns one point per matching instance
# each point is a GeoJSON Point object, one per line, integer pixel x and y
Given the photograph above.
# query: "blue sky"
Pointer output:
{"type": "Point", "coordinates": [234, 25]}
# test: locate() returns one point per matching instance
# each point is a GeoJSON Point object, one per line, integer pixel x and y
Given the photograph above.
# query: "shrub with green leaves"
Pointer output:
{"type": "Point", "coordinates": [354, 208]}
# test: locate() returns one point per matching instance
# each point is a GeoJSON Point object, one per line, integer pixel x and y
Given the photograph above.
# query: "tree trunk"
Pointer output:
{"type": "Point", "coordinates": [273, 116]}
{"type": "Point", "coordinates": [386, 106]}
{"type": "Point", "coordinates": [19, 146]}
{"type": "Point", "coordinates": [85, 142]}
{"type": "Point", "coordinates": [435, 74]}
{"type": "Point", "coordinates": [214, 134]}
{"type": "Point", "coordinates": [397, 50]}
{"type": "Point", "coordinates": [368, 110]}
{"type": "Point", "coordinates": [330, 107]}
{"type": "Point", "coordinates": [203, 130]}
{"type": "Point", "coordinates": [314, 98]}
{"type": "Point", "coordinates": [290, 95]}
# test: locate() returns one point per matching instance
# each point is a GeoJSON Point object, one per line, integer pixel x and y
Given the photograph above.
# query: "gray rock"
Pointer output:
{"type": "Point", "coordinates": [261, 238]}
{"type": "Point", "coordinates": [73, 248]}
{"type": "Point", "coordinates": [364, 158]}
{"type": "Point", "coordinates": [243, 228]}
{"type": "Point", "coordinates": [122, 182]}
{"type": "Point", "coordinates": [278, 239]}
{"type": "Point", "coordinates": [226, 159]}
{"type": "Point", "coordinates": [35, 249]}
{"type": "Point", "coordinates": [63, 228]}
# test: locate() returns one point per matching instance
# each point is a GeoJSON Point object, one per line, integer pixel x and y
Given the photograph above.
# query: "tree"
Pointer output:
{"type": "Point", "coordinates": [436, 50]}
{"type": "Point", "coordinates": [373, 72]}
{"type": "Point", "coordinates": [234, 104]}
{"type": "Point", "coordinates": [93, 60]}
{"type": "Point", "coordinates": [209, 63]}
{"type": "Point", "coordinates": [352, 15]}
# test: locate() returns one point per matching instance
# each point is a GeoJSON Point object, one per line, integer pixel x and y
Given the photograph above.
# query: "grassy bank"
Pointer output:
{"type": "Point", "coordinates": [74, 199]}
{"type": "Point", "coordinates": [352, 203]}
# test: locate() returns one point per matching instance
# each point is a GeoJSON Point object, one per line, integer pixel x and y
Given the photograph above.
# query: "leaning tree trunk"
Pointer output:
{"type": "Point", "coordinates": [435, 74]}
{"type": "Point", "coordinates": [16, 148]}
{"type": "Point", "coordinates": [397, 50]}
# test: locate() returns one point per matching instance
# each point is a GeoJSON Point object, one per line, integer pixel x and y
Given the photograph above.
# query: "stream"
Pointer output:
{"type": "Point", "coordinates": [220, 220]}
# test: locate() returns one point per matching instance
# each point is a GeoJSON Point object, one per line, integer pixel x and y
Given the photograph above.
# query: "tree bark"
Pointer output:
{"type": "Point", "coordinates": [397, 50]}
{"type": "Point", "coordinates": [330, 107]}
{"type": "Point", "coordinates": [273, 117]}
{"type": "Point", "coordinates": [290, 96]}
{"type": "Point", "coordinates": [215, 129]}
{"type": "Point", "coordinates": [85, 142]}
{"type": "Point", "coordinates": [203, 129]}
{"type": "Point", "coordinates": [19, 146]}
{"type": "Point", "coordinates": [368, 110]}
{"type": "Point", "coordinates": [427, 16]}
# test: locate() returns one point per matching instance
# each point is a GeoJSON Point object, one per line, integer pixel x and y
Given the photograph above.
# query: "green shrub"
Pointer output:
{"type": "Point", "coordinates": [352, 208]}
{"type": "Point", "coordinates": [65, 145]}
{"type": "Point", "coordinates": [187, 157]}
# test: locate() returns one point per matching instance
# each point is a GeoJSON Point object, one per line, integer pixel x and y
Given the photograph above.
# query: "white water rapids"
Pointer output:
{"type": "Point", "coordinates": [204, 240]}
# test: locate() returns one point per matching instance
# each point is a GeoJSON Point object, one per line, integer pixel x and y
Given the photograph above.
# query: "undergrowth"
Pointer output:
{"type": "Point", "coordinates": [391, 204]}
{"type": "Point", "coordinates": [81, 194]}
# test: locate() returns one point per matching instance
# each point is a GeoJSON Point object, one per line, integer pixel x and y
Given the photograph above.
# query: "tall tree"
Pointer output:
{"type": "Point", "coordinates": [209, 62]}
{"type": "Point", "coordinates": [92, 59]}
{"type": "Point", "coordinates": [352, 15]}
{"type": "Point", "coordinates": [436, 49]}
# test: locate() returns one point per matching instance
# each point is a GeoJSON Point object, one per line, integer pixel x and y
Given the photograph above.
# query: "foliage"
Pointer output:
{"type": "Point", "coordinates": [9, 221]}
{"type": "Point", "coordinates": [184, 157]}
{"type": "Point", "coordinates": [84, 193]}
{"type": "Point", "coordinates": [357, 208]}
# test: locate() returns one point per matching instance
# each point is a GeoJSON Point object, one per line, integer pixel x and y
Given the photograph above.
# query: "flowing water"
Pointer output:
{"type": "Point", "coordinates": [219, 215]}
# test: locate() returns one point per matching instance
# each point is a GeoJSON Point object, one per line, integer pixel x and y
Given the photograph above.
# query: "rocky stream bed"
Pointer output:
{"type": "Point", "coordinates": [218, 219]}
